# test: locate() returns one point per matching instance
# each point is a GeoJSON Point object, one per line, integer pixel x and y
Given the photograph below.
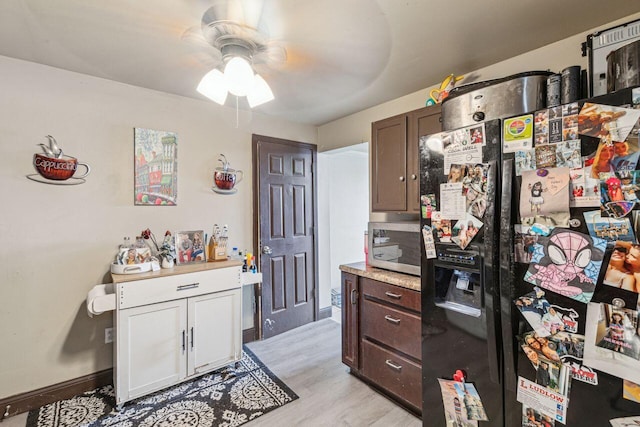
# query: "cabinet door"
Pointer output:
{"type": "Point", "coordinates": [150, 348]}
{"type": "Point", "coordinates": [389, 164]}
{"type": "Point", "coordinates": [215, 336]}
{"type": "Point", "coordinates": [425, 121]}
{"type": "Point", "coordinates": [350, 315]}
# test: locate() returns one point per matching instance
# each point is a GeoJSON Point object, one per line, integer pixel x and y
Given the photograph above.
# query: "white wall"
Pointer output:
{"type": "Point", "coordinates": [60, 240]}
{"type": "Point", "coordinates": [324, 234]}
{"type": "Point", "coordinates": [349, 209]}
{"type": "Point", "coordinates": [343, 212]}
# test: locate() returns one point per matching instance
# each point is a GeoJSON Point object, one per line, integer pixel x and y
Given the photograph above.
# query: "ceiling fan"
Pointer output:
{"type": "Point", "coordinates": [237, 50]}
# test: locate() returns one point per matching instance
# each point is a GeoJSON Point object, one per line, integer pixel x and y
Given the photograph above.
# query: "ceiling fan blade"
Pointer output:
{"type": "Point", "coordinates": [271, 54]}
{"type": "Point", "coordinates": [202, 51]}
{"type": "Point", "coordinates": [204, 60]}
{"type": "Point", "coordinates": [194, 36]}
{"type": "Point", "coordinates": [248, 13]}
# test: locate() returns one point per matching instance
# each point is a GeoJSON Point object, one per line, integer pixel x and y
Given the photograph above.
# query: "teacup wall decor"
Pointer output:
{"type": "Point", "coordinates": [225, 178]}
{"type": "Point", "coordinates": [54, 167]}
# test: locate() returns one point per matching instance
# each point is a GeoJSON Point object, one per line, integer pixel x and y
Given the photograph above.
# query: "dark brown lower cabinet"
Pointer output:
{"type": "Point", "coordinates": [381, 337]}
{"type": "Point", "coordinates": [350, 321]}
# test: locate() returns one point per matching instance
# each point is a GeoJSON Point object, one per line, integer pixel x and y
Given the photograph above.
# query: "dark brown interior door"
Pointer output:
{"type": "Point", "coordinates": [286, 237]}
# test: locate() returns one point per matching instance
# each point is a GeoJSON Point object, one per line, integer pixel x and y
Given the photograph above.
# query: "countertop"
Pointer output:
{"type": "Point", "coordinates": [178, 269]}
{"type": "Point", "coordinates": [399, 279]}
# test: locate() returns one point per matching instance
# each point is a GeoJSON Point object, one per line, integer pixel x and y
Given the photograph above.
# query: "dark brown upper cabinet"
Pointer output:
{"type": "Point", "coordinates": [395, 159]}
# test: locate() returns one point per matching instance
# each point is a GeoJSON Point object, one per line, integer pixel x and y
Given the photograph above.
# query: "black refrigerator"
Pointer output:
{"type": "Point", "coordinates": [470, 322]}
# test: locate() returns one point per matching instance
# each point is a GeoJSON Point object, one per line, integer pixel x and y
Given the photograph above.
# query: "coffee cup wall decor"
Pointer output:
{"type": "Point", "coordinates": [55, 167]}
{"type": "Point", "coordinates": [225, 178]}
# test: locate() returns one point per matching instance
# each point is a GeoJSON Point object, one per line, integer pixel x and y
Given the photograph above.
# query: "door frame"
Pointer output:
{"type": "Point", "coordinates": [257, 247]}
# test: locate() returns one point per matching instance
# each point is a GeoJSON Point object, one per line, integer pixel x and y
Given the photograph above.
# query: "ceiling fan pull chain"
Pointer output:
{"type": "Point", "coordinates": [237, 119]}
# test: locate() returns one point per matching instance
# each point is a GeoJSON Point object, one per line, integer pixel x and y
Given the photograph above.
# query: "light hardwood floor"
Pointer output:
{"type": "Point", "coordinates": [308, 360]}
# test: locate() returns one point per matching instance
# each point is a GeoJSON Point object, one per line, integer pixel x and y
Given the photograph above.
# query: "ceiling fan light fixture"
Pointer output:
{"type": "Point", "coordinates": [239, 76]}
{"type": "Point", "coordinates": [260, 92]}
{"type": "Point", "coordinates": [213, 86]}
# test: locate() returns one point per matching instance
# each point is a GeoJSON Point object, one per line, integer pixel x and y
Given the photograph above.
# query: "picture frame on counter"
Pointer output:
{"type": "Point", "coordinates": [190, 247]}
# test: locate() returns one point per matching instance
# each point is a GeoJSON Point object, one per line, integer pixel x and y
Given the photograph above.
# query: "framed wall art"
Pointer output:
{"type": "Point", "coordinates": [190, 246]}
{"type": "Point", "coordinates": [155, 167]}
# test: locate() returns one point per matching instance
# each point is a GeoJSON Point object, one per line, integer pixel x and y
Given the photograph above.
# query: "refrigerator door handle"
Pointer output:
{"type": "Point", "coordinates": [506, 280]}
{"type": "Point", "coordinates": [490, 288]}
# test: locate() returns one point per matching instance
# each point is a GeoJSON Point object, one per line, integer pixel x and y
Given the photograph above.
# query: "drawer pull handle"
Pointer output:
{"type": "Point", "coordinates": [354, 297]}
{"type": "Point", "coordinates": [185, 287]}
{"type": "Point", "coordinates": [392, 320]}
{"type": "Point", "coordinates": [184, 345]}
{"type": "Point", "coordinates": [192, 340]}
{"type": "Point", "coordinates": [393, 365]}
{"type": "Point", "coordinates": [392, 295]}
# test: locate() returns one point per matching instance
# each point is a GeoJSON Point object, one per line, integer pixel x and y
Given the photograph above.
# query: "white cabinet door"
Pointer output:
{"type": "Point", "coordinates": [215, 336]}
{"type": "Point", "coordinates": [150, 348]}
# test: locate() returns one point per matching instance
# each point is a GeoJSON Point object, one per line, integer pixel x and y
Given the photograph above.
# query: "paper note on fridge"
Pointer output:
{"type": "Point", "coordinates": [544, 191]}
{"type": "Point", "coordinates": [453, 202]}
{"type": "Point", "coordinates": [460, 154]}
{"type": "Point", "coordinates": [542, 398]}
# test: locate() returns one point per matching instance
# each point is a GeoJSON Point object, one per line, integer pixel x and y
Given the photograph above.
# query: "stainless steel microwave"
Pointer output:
{"type": "Point", "coordinates": [394, 246]}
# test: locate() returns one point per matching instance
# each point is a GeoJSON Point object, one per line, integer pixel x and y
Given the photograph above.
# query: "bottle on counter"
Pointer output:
{"type": "Point", "coordinates": [245, 267]}
{"type": "Point", "coordinates": [235, 255]}
{"type": "Point", "coordinates": [253, 267]}
{"type": "Point", "coordinates": [126, 243]}
{"type": "Point", "coordinates": [140, 242]}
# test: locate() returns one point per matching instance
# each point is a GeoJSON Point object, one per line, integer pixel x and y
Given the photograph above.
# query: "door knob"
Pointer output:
{"type": "Point", "coordinates": [266, 250]}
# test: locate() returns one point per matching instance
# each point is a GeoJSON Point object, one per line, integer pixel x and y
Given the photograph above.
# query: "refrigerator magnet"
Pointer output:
{"type": "Point", "coordinates": [625, 422]}
{"type": "Point", "coordinates": [612, 341]}
{"type": "Point", "coordinates": [584, 190]}
{"type": "Point", "coordinates": [606, 122]}
{"type": "Point", "coordinates": [441, 226]}
{"type": "Point", "coordinates": [619, 192]}
{"type": "Point", "coordinates": [525, 160]}
{"type": "Point", "coordinates": [517, 133]}
{"type": "Point", "coordinates": [465, 230]}
{"type": "Point", "coordinates": [609, 228]}
{"type": "Point", "coordinates": [631, 391]}
{"type": "Point", "coordinates": [545, 400]}
{"type": "Point", "coordinates": [428, 205]}
{"type": "Point", "coordinates": [568, 263]}
{"type": "Point", "coordinates": [429, 245]}
{"type": "Point", "coordinates": [455, 410]}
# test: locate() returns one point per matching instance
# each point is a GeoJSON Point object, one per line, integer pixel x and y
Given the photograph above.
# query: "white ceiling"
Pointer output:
{"type": "Point", "coordinates": [343, 56]}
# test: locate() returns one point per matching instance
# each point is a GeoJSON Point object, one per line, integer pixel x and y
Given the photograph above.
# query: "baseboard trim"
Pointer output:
{"type": "Point", "coordinates": [324, 313]}
{"type": "Point", "coordinates": [43, 396]}
{"type": "Point", "coordinates": [248, 335]}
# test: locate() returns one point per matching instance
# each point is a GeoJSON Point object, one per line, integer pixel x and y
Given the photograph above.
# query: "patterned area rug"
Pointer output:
{"type": "Point", "coordinates": [227, 397]}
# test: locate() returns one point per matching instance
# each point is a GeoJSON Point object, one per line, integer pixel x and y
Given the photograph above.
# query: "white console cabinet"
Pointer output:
{"type": "Point", "coordinates": [172, 325]}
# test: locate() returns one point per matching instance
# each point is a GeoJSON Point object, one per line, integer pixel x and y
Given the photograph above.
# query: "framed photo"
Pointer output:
{"type": "Point", "coordinates": [155, 168]}
{"type": "Point", "coordinates": [190, 247]}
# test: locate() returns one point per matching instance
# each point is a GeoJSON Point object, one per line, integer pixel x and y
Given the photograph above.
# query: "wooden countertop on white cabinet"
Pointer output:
{"type": "Point", "coordinates": [173, 325]}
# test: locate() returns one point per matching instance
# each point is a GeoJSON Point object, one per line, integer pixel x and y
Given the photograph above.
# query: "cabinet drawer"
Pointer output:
{"type": "Point", "coordinates": [394, 373]}
{"type": "Point", "coordinates": [166, 288]}
{"type": "Point", "coordinates": [390, 293]}
{"type": "Point", "coordinates": [395, 328]}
